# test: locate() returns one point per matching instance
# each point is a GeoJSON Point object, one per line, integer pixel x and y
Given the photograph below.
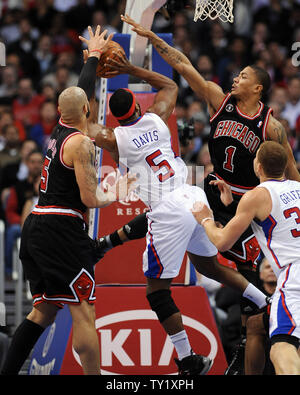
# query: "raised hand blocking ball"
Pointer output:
{"type": "Point", "coordinates": [112, 46]}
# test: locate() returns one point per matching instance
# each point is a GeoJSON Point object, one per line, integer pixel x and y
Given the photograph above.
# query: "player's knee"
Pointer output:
{"type": "Point", "coordinates": [162, 303]}
{"type": "Point", "coordinates": [274, 352]}
{"type": "Point", "coordinates": [136, 228]}
{"type": "Point", "coordinates": [82, 344]}
{"type": "Point", "coordinates": [255, 325]}
{"type": "Point", "coordinates": [284, 348]}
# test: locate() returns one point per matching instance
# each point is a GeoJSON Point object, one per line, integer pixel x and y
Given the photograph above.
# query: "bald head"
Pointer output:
{"type": "Point", "coordinates": [71, 103]}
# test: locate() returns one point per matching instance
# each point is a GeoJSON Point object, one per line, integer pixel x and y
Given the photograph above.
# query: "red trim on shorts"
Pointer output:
{"type": "Point", "coordinates": [287, 312]}
{"type": "Point", "coordinates": [161, 268]}
{"type": "Point", "coordinates": [234, 185]}
{"type": "Point", "coordinates": [55, 213]}
{"type": "Point", "coordinates": [63, 207]}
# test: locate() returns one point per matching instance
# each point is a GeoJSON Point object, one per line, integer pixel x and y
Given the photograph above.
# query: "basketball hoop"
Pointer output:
{"type": "Point", "coordinates": [214, 9]}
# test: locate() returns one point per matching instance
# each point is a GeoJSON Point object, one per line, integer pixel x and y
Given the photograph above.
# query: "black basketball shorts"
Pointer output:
{"type": "Point", "coordinates": [246, 250]}
{"type": "Point", "coordinates": [57, 258]}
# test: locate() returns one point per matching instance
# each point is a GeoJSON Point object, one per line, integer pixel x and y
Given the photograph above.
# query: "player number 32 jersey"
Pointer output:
{"type": "Point", "coordinates": [145, 148]}
{"type": "Point", "coordinates": [279, 234]}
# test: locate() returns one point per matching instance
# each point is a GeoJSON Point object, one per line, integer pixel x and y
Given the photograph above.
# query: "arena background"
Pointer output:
{"type": "Point", "coordinates": [44, 56]}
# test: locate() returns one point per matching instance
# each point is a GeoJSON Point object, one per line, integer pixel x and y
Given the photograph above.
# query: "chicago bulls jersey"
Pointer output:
{"type": "Point", "coordinates": [279, 234]}
{"type": "Point", "coordinates": [145, 148]}
{"type": "Point", "coordinates": [233, 142]}
{"type": "Point", "coordinates": [59, 188]}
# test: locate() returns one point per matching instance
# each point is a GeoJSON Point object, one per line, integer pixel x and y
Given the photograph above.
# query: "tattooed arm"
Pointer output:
{"type": "Point", "coordinates": [276, 132]}
{"type": "Point", "coordinates": [79, 152]}
{"type": "Point", "coordinates": [206, 90]}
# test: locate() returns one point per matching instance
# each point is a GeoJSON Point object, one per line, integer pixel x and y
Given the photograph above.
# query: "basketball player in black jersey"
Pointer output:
{"type": "Point", "coordinates": [56, 252]}
{"type": "Point", "coordinates": [240, 122]}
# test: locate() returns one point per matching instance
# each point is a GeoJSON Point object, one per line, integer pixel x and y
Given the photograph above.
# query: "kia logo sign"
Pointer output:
{"type": "Point", "coordinates": [134, 339]}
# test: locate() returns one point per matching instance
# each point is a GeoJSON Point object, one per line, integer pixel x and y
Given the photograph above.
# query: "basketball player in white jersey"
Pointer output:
{"type": "Point", "coordinates": [243, 105]}
{"type": "Point", "coordinates": [143, 144]}
{"type": "Point", "coordinates": [273, 210]}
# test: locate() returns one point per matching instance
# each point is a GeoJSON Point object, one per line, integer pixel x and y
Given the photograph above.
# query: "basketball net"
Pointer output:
{"type": "Point", "coordinates": [214, 9]}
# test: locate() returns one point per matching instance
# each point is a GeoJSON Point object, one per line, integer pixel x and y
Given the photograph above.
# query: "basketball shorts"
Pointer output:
{"type": "Point", "coordinates": [285, 307]}
{"type": "Point", "coordinates": [246, 250]}
{"type": "Point", "coordinates": [173, 230]}
{"type": "Point", "coordinates": [57, 258]}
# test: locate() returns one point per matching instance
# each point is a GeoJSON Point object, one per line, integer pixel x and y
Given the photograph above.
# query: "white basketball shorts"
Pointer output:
{"type": "Point", "coordinates": [285, 307]}
{"type": "Point", "coordinates": [173, 230]}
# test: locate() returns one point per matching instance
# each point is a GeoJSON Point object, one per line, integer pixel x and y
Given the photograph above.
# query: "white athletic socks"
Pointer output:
{"type": "Point", "coordinates": [255, 295]}
{"type": "Point", "coordinates": [181, 344]}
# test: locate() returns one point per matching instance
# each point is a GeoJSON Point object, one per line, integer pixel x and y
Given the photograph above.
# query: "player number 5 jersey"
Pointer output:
{"type": "Point", "coordinates": [145, 148]}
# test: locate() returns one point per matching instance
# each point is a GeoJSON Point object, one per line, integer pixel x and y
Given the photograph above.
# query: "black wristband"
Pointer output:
{"type": "Point", "coordinates": [115, 239]}
{"type": "Point", "coordinates": [87, 78]}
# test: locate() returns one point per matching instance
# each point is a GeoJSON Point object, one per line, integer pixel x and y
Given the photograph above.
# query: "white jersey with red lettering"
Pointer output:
{"type": "Point", "coordinates": [279, 234]}
{"type": "Point", "coordinates": [279, 237]}
{"type": "Point", "coordinates": [145, 148]}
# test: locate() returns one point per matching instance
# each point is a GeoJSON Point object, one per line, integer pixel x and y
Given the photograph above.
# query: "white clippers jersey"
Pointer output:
{"type": "Point", "coordinates": [145, 148]}
{"type": "Point", "coordinates": [279, 234]}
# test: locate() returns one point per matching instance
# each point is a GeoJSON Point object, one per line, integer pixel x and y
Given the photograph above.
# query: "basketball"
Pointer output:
{"type": "Point", "coordinates": [108, 53]}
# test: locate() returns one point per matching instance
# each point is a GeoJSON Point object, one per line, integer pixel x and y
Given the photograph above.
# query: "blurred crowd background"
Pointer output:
{"type": "Point", "coordinates": [44, 56]}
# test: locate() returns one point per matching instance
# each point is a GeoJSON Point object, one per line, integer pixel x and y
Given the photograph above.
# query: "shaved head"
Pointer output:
{"type": "Point", "coordinates": [71, 104]}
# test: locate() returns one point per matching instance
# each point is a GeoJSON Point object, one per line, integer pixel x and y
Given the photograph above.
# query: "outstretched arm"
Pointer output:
{"type": "Point", "coordinates": [165, 99]}
{"type": "Point", "coordinates": [206, 90]}
{"type": "Point", "coordinates": [276, 132]}
{"type": "Point", "coordinates": [254, 204]}
{"type": "Point", "coordinates": [96, 45]}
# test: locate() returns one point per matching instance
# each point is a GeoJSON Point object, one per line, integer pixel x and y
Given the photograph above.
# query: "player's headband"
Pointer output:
{"type": "Point", "coordinates": [131, 110]}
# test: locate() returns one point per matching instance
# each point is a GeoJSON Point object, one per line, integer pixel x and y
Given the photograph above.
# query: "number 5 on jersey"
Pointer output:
{"type": "Point", "coordinates": [45, 175]}
{"type": "Point", "coordinates": [158, 166]}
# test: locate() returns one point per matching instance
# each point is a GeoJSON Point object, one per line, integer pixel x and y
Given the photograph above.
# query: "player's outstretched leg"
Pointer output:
{"type": "Point", "coordinates": [162, 303]}
{"type": "Point", "coordinates": [133, 230]}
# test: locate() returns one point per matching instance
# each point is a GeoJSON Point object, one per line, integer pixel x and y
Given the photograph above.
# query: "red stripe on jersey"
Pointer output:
{"type": "Point", "coordinates": [62, 147]}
